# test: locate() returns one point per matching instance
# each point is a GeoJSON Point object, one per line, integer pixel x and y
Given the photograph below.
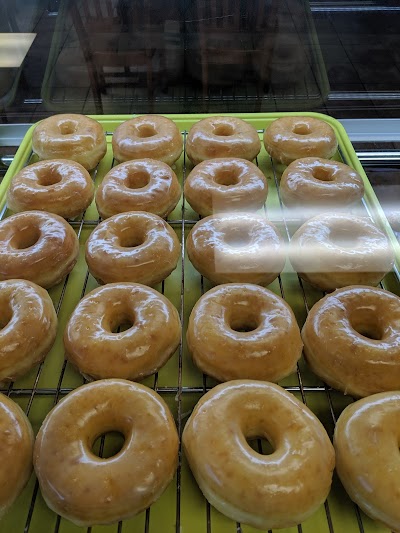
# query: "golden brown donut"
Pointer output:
{"type": "Point", "coordinates": [141, 185]}
{"type": "Point", "coordinates": [147, 136]}
{"type": "Point", "coordinates": [236, 248]}
{"type": "Point", "coordinates": [265, 491]}
{"type": "Point", "coordinates": [367, 456]}
{"type": "Point", "coordinates": [136, 246]}
{"type": "Point", "coordinates": [57, 186]}
{"type": "Point", "coordinates": [222, 137]}
{"type": "Point", "coordinates": [243, 331]}
{"type": "Point", "coordinates": [40, 247]}
{"type": "Point", "coordinates": [89, 490]}
{"type": "Point", "coordinates": [334, 250]}
{"type": "Point", "coordinates": [16, 450]}
{"type": "Point", "coordinates": [290, 138]}
{"type": "Point", "coordinates": [352, 340]}
{"type": "Point", "coordinates": [316, 184]}
{"type": "Point", "coordinates": [70, 136]}
{"type": "Point", "coordinates": [28, 327]}
{"type": "Point", "coordinates": [94, 345]}
{"type": "Point", "coordinates": [225, 184]}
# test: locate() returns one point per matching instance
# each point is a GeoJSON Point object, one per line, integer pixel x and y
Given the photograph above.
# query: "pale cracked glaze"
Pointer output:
{"type": "Point", "coordinates": [352, 340]}
{"type": "Point", "coordinates": [236, 248]}
{"type": "Point", "coordinates": [268, 351]}
{"type": "Point", "coordinates": [147, 136]}
{"type": "Point", "coordinates": [317, 139]}
{"type": "Point", "coordinates": [321, 183]}
{"type": "Point", "coordinates": [141, 185]}
{"type": "Point", "coordinates": [70, 136]}
{"type": "Point", "coordinates": [222, 137]}
{"type": "Point", "coordinates": [141, 350]}
{"type": "Point", "coordinates": [225, 184]}
{"type": "Point", "coordinates": [28, 325]}
{"type": "Point", "coordinates": [335, 250]}
{"type": "Point", "coordinates": [266, 491]}
{"type": "Point", "coordinates": [40, 247]}
{"type": "Point", "coordinates": [16, 442]}
{"type": "Point", "coordinates": [135, 246]}
{"type": "Point", "coordinates": [87, 489]}
{"type": "Point", "coordinates": [57, 186]}
{"type": "Point", "coordinates": [367, 456]}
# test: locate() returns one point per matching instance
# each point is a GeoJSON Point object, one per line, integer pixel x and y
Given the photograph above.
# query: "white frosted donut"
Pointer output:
{"type": "Point", "coordinates": [87, 489]}
{"type": "Point", "coordinates": [367, 456]}
{"type": "Point", "coordinates": [147, 136]}
{"type": "Point", "coordinates": [94, 345]}
{"type": "Point", "coordinates": [222, 137]}
{"type": "Point", "coordinates": [225, 184]}
{"type": "Point", "coordinates": [265, 491]}
{"type": "Point", "coordinates": [57, 186]}
{"type": "Point", "coordinates": [70, 136]}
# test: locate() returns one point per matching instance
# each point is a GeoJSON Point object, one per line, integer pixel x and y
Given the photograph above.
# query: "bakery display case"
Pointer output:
{"type": "Point", "coordinates": [258, 61]}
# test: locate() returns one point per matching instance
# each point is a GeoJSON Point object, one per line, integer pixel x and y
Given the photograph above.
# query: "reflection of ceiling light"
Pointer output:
{"type": "Point", "coordinates": [14, 47]}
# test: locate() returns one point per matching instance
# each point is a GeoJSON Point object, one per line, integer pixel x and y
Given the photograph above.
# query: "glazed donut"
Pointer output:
{"type": "Point", "coordinates": [265, 491]}
{"type": "Point", "coordinates": [290, 138]}
{"type": "Point", "coordinates": [141, 185]}
{"type": "Point", "coordinates": [334, 250]}
{"type": "Point", "coordinates": [89, 490]}
{"type": "Point", "coordinates": [367, 455]}
{"type": "Point", "coordinates": [236, 248]}
{"type": "Point", "coordinates": [243, 331]}
{"type": "Point", "coordinates": [16, 452]}
{"type": "Point", "coordinates": [28, 327]}
{"type": "Point", "coordinates": [70, 136]}
{"type": "Point", "coordinates": [136, 246]}
{"type": "Point", "coordinates": [225, 184]}
{"type": "Point", "coordinates": [320, 183]}
{"type": "Point", "coordinates": [40, 247]}
{"type": "Point", "coordinates": [147, 136]}
{"type": "Point", "coordinates": [222, 137]}
{"type": "Point", "coordinates": [352, 340]}
{"type": "Point", "coordinates": [94, 346]}
{"type": "Point", "coordinates": [57, 186]}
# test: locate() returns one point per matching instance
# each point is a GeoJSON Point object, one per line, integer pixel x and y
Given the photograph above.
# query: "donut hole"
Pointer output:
{"type": "Point", "coordinates": [322, 174]}
{"type": "Point", "coordinates": [121, 322]}
{"type": "Point", "coordinates": [345, 236]}
{"type": "Point", "coordinates": [48, 177]}
{"type": "Point", "coordinates": [237, 237]}
{"type": "Point", "coordinates": [131, 238]}
{"type": "Point", "coordinates": [223, 130]}
{"type": "Point", "coordinates": [243, 320]}
{"type": "Point", "coordinates": [301, 128]}
{"type": "Point", "coordinates": [137, 179]}
{"type": "Point", "coordinates": [5, 315]}
{"type": "Point", "coordinates": [25, 237]}
{"type": "Point", "coordinates": [366, 323]}
{"type": "Point", "coordinates": [145, 130]}
{"type": "Point", "coordinates": [226, 177]}
{"type": "Point", "coordinates": [108, 444]}
{"type": "Point", "coordinates": [68, 127]}
{"type": "Point", "coordinates": [260, 445]}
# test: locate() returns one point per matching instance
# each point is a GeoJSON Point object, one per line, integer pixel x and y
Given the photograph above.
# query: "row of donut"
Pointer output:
{"type": "Point", "coordinates": [266, 491]}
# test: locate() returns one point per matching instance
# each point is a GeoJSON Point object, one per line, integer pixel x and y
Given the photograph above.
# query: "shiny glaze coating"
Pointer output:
{"type": "Point", "coordinates": [136, 246]}
{"type": "Point", "coordinates": [290, 138]}
{"type": "Point", "coordinates": [243, 331]}
{"type": "Point", "coordinates": [266, 491]}
{"type": "Point", "coordinates": [320, 183]}
{"type": "Point", "coordinates": [87, 489]}
{"type": "Point", "coordinates": [28, 327]}
{"type": "Point", "coordinates": [367, 456]}
{"type": "Point", "coordinates": [70, 136]}
{"type": "Point", "coordinates": [352, 340]}
{"type": "Point", "coordinates": [93, 345]}
{"type": "Point", "coordinates": [57, 186]}
{"type": "Point", "coordinates": [141, 185]}
{"type": "Point", "coordinates": [236, 248]}
{"type": "Point", "coordinates": [225, 184]}
{"type": "Point", "coordinates": [334, 250]}
{"type": "Point", "coordinates": [40, 247]}
{"type": "Point", "coordinates": [147, 136]}
{"type": "Point", "coordinates": [222, 137]}
{"type": "Point", "coordinates": [16, 441]}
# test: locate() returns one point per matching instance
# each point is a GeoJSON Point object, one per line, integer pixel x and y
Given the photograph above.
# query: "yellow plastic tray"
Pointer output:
{"type": "Point", "coordinates": [182, 507]}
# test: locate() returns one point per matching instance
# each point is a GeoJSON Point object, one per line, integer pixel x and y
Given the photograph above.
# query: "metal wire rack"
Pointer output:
{"type": "Point", "coordinates": [181, 388]}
